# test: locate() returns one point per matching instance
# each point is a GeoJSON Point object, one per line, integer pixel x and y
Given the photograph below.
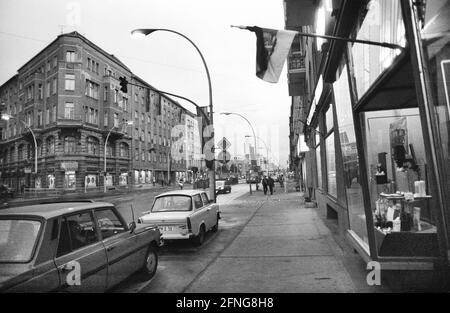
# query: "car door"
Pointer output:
{"type": "Point", "coordinates": [122, 250]}
{"type": "Point", "coordinates": [211, 217]}
{"type": "Point", "coordinates": [81, 256]}
{"type": "Point", "coordinates": [199, 214]}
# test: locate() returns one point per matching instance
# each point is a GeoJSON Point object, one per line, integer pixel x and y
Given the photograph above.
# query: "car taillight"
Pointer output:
{"type": "Point", "coordinates": [189, 224]}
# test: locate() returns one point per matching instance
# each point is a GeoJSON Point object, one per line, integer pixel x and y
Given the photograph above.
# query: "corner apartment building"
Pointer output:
{"type": "Point", "coordinates": [68, 98]}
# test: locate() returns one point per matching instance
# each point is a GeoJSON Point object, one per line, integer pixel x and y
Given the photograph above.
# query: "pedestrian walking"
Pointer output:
{"type": "Point", "coordinates": [154, 181]}
{"type": "Point", "coordinates": [281, 180]}
{"type": "Point", "coordinates": [265, 183]}
{"type": "Point", "coordinates": [271, 184]}
{"type": "Point", "coordinates": [180, 183]}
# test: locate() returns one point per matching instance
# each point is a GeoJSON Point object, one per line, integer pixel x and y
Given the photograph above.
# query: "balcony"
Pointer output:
{"type": "Point", "coordinates": [69, 121]}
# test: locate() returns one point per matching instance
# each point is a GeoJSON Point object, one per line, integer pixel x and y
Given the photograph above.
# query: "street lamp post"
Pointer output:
{"type": "Point", "coordinates": [106, 143]}
{"type": "Point", "coordinates": [254, 135]}
{"type": "Point", "coordinates": [7, 117]}
{"type": "Point", "coordinates": [212, 174]}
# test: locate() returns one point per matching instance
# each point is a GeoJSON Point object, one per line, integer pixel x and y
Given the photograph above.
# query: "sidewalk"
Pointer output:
{"type": "Point", "coordinates": [284, 248]}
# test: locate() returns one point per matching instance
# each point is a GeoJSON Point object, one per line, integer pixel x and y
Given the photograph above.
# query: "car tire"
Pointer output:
{"type": "Point", "coordinates": [200, 238]}
{"type": "Point", "coordinates": [215, 228]}
{"type": "Point", "coordinates": [150, 264]}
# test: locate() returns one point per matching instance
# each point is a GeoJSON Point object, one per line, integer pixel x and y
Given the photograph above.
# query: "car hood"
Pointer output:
{"type": "Point", "coordinates": [163, 217]}
{"type": "Point", "coordinates": [13, 274]}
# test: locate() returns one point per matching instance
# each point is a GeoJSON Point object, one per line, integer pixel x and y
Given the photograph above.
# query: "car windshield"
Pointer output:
{"type": "Point", "coordinates": [17, 239]}
{"type": "Point", "coordinates": [172, 203]}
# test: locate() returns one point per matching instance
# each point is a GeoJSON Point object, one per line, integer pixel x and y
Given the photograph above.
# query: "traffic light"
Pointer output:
{"type": "Point", "coordinates": [123, 84]}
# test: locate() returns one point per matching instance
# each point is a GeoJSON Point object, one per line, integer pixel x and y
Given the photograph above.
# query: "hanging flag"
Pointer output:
{"type": "Point", "coordinates": [272, 48]}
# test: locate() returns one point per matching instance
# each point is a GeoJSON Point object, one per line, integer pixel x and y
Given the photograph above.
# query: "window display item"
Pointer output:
{"type": "Point", "coordinates": [416, 219]}
{"type": "Point", "coordinates": [396, 224]}
{"type": "Point", "coordinates": [419, 188]}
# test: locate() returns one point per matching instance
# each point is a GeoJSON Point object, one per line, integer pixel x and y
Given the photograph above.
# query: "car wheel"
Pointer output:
{"type": "Point", "coordinates": [150, 263]}
{"type": "Point", "coordinates": [215, 228]}
{"type": "Point", "coordinates": [200, 238]}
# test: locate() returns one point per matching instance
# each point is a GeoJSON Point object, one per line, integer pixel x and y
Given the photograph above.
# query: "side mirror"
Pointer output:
{"type": "Point", "coordinates": [132, 227]}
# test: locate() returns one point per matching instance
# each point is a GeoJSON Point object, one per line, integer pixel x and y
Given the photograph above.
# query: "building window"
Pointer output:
{"type": "Point", "coordinates": [47, 115]}
{"type": "Point", "coordinates": [39, 118]}
{"type": "Point", "coordinates": [110, 149]}
{"type": "Point", "coordinates": [124, 150]}
{"type": "Point", "coordinates": [50, 143]}
{"type": "Point", "coordinates": [116, 120]}
{"type": "Point", "coordinates": [70, 56]}
{"type": "Point", "coordinates": [88, 63]}
{"type": "Point", "coordinates": [116, 95]}
{"type": "Point", "coordinates": [105, 93]}
{"type": "Point", "coordinates": [143, 155]}
{"type": "Point", "coordinates": [55, 61]}
{"type": "Point", "coordinates": [318, 162]}
{"type": "Point", "coordinates": [69, 111]}
{"type": "Point", "coordinates": [125, 104]}
{"type": "Point", "coordinates": [48, 89]}
{"type": "Point", "coordinates": [350, 160]}
{"type": "Point", "coordinates": [70, 82]}
{"type": "Point", "coordinates": [69, 145]}
{"type": "Point", "coordinates": [54, 113]}
{"type": "Point", "coordinates": [105, 119]}
{"type": "Point", "coordinates": [54, 86]}
{"type": "Point", "coordinates": [40, 92]}
{"type": "Point", "coordinates": [92, 116]}
{"type": "Point", "coordinates": [136, 154]}
{"type": "Point", "coordinates": [92, 145]}
{"type": "Point", "coordinates": [136, 115]}
{"type": "Point", "coordinates": [92, 89]}
{"type": "Point", "coordinates": [20, 152]}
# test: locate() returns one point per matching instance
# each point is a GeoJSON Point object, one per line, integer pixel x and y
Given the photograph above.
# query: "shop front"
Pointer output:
{"type": "Point", "coordinates": [70, 178]}
{"type": "Point", "coordinates": [381, 137]}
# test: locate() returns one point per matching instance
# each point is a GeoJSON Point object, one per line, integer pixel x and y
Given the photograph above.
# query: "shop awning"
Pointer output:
{"type": "Point", "coordinates": [395, 88]}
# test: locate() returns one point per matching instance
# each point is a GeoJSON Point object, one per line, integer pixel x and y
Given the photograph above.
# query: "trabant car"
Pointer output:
{"type": "Point", "coordinates": [223, 186]}
{"type": "Point", "coordinates": [72, 247]}
{"type": "Point", "coordinates": [183, 214]}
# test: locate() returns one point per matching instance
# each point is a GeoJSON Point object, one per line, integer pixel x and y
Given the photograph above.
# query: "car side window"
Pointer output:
{"type": "Point", "coordinates": [109, 223]}
{"type": "Point", "coordinates": [77, 231]}
{"type": "Point", "coordinates": [205, 198]}
{"type": "Point", "coordinates": [198, 201]}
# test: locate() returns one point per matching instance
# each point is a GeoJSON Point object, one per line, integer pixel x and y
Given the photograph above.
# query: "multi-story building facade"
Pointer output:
{"type": "Point", "coordinates": [68, 98]}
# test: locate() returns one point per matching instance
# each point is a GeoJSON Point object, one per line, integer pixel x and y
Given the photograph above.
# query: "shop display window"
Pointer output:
{"type": "Point", "coordinates": [383, 22]}
{"type": "Point", "coordinates": [331, 165]}
{"type": "Point", "coordinates": [354, 195]}
{"type": "Point", "coordinates": [319, 168]}
{"type": "Point", "coordinates": [399, 183]}
{"type": "Point", "coordinates": [70, 181]}
{"type": "Point", "coordinates": [436, 43]}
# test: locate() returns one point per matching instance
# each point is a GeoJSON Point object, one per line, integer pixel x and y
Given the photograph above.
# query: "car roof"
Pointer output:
{"type": "Point", "coordinates": [181, 193]}
{"type": "Point", "coordinates": [50, 210]}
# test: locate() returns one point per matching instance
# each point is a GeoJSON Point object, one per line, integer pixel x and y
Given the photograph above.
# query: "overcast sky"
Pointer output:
{"type": "Point", "coordinates": [165, 60]}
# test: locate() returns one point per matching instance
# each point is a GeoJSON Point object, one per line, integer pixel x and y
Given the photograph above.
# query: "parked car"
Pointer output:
{"type": "Point", "coordinates": [223, 186]}
{"type": "Point", "coordinates": [183, 214]}
{"type": "Point", "coordinates": [44, 247]}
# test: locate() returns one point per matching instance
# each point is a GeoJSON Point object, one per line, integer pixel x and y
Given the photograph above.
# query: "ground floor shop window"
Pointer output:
{"type": "Point", "coordinates": [347, 139]}
{"type": "Point", "coordinates": [91, 181]}
{"type": "Point", "coordinates": [51, 181]}
{"type": "Point", "coordinates": [123, 179]}
{"type": "Point", "coordinates": [37, 183]}
{"type": "Point", "coordinates": [142, 177]}
{"type": "Point", "coordinates": [399, 183]}
{"type": "Point", "coordinates": [70, 180]}
{"type": "Point", "coordinates": [331, 165]}
{"type": "Point", "coordinates": [109, 180]}
{"type": "Point", "coordinates": [319, 167]}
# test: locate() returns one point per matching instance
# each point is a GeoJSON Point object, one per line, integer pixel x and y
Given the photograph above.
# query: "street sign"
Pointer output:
{"type": "Point", "coordinates": [224, 144]}
{"type": "Point", "coordinates": [224, 157]}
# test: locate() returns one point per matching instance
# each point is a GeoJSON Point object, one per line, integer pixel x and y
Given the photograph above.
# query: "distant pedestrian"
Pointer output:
{"type": "Point", "coordinates": [180, 183]}
{"type": "Point", "coordinates": [265, 183]}
{"type": "Point", "coordinates": [271, 184]}
{"type": "Point", "coordinates": [154, 181]}
{"type": "Point", "coordinates": [281, 180]}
